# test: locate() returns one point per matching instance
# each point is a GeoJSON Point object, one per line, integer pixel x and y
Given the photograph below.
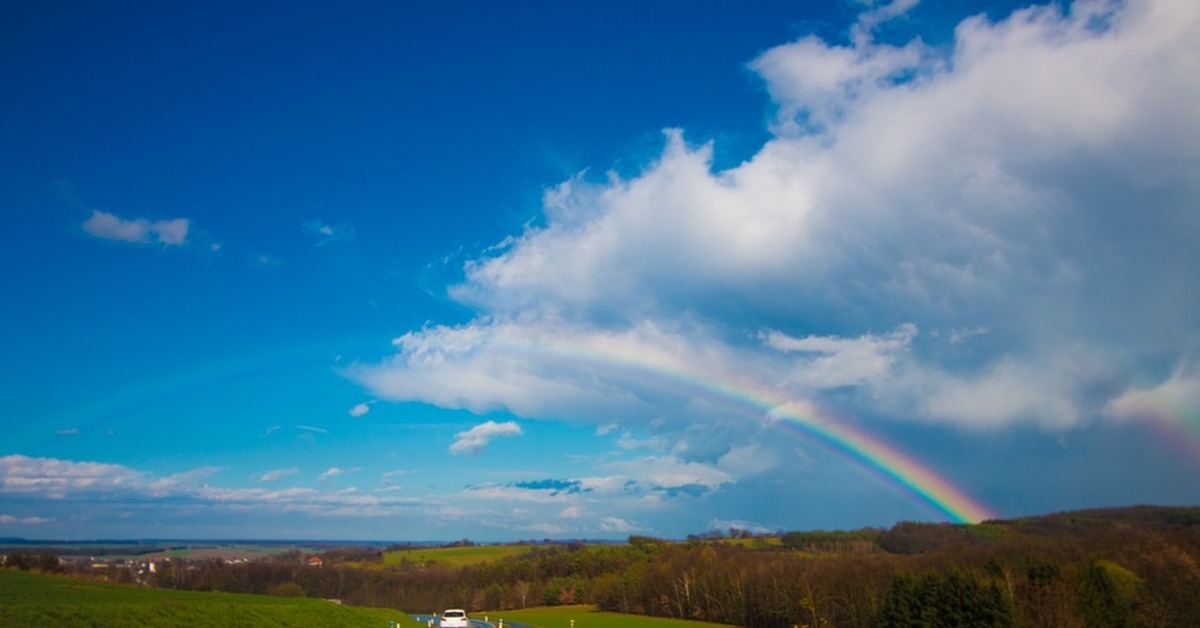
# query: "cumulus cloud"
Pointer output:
{"type": "Point", "coordinates": [606, 428]}
{"type": "Point", "coordinates": [616, 524]}
{"type": "Point", "coordinates": [278, 474]}
{"type": "Point", "coordinates": [1177, 398]}
{"type": "Point", "coordinates": [989, 185]}
{"type": "Point", "coordinates": [107, 226]}
{"type": "Point", "coordinates": [360, 409]}
{"type": "Point", "coordinates": [333, 472]}
{"type": "Point", "coordinates": [738, 524]}
{"type": "Point", "coordinates": [629, 488]}
{"type": "Point", "coordinates": [66, 486]}
{"type": "Point", "coordinates": [553, 486]}
{"type": "Point", "coordinates": [747, 460]}
{"type": "Point", "coordinates": [55, 479]}
{"type": "Point", "coordinates": [6, 519]}
{"type": "Point", "coordinates": [831, 361]}
{"type": "Point", "coordinates": [627, 441]}
{"type": "Point", "coordinates": [171, 483]}
{"type": "Point", "coordinates": [542, 368]}
{"type": "Point", "coordinates": [265, 261]}
{"type": "Point", "coordinates": [477, 438]}
{"type": "Point", "coordinates": [545, 528]}
{"type": "Point", "coordinates": [509, 493]}
{"type": "Point", "coordinates": [643, 489]}
{"type": "Point", "coordinates": [652, 479]}
{"type": "Point", "coordinates": [327, 234]}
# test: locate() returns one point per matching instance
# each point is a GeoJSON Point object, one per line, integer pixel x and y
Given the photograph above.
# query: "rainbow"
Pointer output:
{"type": "Point", "coordinates": [627, 359]}
{"type": "Point", "coordinates": [1171, 409]}
{"type": "Point", "coordinates": [107, 409]}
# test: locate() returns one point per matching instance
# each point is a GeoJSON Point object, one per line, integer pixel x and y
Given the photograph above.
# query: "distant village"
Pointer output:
{"type": "Point", "coordinates": [141, 564]}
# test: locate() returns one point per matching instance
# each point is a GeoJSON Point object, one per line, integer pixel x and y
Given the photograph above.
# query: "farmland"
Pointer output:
{"type": "Point", "coordinates": [1138, 564]}
{"type": "Point", "coordinates": [30, 600]}
{"type": "Point", "coordinates": [453, 556]}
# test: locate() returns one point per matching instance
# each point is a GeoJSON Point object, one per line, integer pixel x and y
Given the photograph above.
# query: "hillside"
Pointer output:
{"type": "Point", "coordinates": [29, 600]}
{"type": "Point", "coordinates": [1140, 565]}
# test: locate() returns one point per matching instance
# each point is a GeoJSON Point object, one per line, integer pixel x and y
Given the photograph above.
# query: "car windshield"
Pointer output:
{"type": "Point", "coordinates": [454, 614]}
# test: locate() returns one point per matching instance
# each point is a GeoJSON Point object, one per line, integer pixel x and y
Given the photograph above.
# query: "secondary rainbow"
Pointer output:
{"type": "Point", "coordinates": [1171, 409]}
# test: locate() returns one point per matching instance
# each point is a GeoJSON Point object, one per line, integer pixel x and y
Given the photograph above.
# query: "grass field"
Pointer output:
{"type": "Point", "coordinates": [759, 542]}
{"type": "Point", "coordinates": [228, 551]}
{"type": "Point", "coordinates": [589, 617]}
{"type": "Point", "coordinates": [454, 556]}
{"type": "Point", "coordinates": [36, 601]}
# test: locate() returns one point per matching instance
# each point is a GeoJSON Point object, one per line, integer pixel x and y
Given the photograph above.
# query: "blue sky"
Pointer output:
{"type": "Point", "coordinates": [376, 271]}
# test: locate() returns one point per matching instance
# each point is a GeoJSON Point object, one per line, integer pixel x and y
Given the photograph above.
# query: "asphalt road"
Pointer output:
{"type": "Point", "coordinates": [423, 620]}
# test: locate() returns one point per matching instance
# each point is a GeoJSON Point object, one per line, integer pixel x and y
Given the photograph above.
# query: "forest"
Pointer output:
{"type": "Point", "coordinates": [1137, 566]}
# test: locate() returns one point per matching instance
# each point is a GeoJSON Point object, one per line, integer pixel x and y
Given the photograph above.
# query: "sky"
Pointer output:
{"type": "Point", "coordinates": [524, 270]}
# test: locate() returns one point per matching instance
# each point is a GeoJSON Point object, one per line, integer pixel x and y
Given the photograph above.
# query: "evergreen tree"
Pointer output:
{"type": "Point", "coordinates": [945, 601]}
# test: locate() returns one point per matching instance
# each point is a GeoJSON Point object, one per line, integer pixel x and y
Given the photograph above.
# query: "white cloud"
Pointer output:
{"type": "Point", "coordinates": [628, 442]}
{"type": "Point", "coordinates": [1007, 392]}
{"type": "Point", "coordinates": [571, 512]}
{"type": "Point", "coordinates": [607, 485]}
{"type": "Point", "coordinates": [533, 367]}
{"type": "Point", "coordinates": [56, 478]}
{"type": "Point", "coordinates": [360, 409]}
{"type": "Point", "coordinates": [69, 431]}
{"type": "Point", "coordinates": [333, 472]}
{"type": "Point", "coordinates": [726, 524]}
{"type": "Point", "coordinates": [545, 528]}
{"type": "Point", "coordinates": [671, 472]}
{"type": "Point", "coordinates": [616, 524]}
{"type": "Point", "coordinates": [278, 474]}
{"type": "Point", "coordinates": [1030, 188]}
{"type": "Point", "coordinates": [747, 460]}
{"type": "Point", "coordinates": [326, 233]}
{"type": "Point", "coordinates": [73, 483]}
{"type": "Point", "coordinates": [1177, 398]}
{"type": "Point", "coordinates": [832, 362]}
{"type": "Point", "coordinates": [869, 20]}
{"type": "Point", "coordinates": [514, 494]}
{"type": "Point", "coordinates": [171, 483]}
{"type": "Point", "coordinates": [477, 438]}
{"type": "Point", "coordinates": [606, 429]}
{"type": "Point", "coordinates": [818, 86]}
{"type": "Point", "coordinates": [23, 521]}
{"type": "Point", "coordinates": [265, 261]}
{"type": "Point", "coordinates": [140, 230]}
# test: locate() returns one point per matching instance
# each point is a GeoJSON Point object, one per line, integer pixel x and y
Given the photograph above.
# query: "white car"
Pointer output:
{"type": "Point", "coordinates": [454, 618]}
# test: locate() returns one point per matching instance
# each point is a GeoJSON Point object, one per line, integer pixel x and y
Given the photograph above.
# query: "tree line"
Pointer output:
{"type": "Point", "coordinates": [1072, 570]}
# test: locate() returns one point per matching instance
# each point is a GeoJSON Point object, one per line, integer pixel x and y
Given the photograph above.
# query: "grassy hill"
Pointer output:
{"type": "Point", "coordinates": [30, 600]}
{"type": "Point", "coordinates": [454, 556]}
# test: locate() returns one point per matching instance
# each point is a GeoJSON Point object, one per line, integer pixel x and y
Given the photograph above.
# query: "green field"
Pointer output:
{"type": "Point", "coordinates": [589, 617]}
{"type": "Point", "coordinates": [454, 556]}
{"type": "Point", "coordinates": [758, 542]}
{"type": "Point", "coordinates": [30, 600]}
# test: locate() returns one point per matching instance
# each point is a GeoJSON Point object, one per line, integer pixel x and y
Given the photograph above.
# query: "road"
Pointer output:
{"type": "Point", "coordinates": [475, 623]}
